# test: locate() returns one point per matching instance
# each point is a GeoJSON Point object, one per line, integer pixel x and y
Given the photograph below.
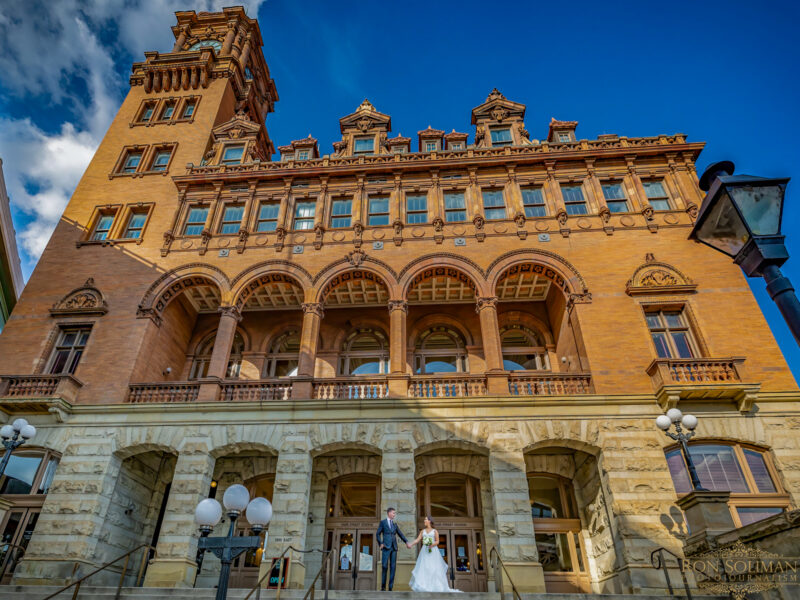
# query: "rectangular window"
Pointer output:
{"type": "Point", "coordinates": [161, 160]}
{"type": "Point", "coordinates": [416, 208]}
{"type": "Point", "coordinates": [132, 160]}
{"type": "Point", "coordinates": [615, 197]}
{"type": "Point", "coordinates": [304, 215]}
{"type": "Point", "coordinates": [196, 221]}
{"type": "Point", "coordinates": [501, 137]}
{"type": "Point", "coordinates": [103, 226]}
{"type": "Point", "coordinates": [455, 208]}
{"type": "Point", "coordinates": [302, 155]}
{"type": "Point", "coordinates": [670, 333]}
{"type": "Point", "coordinates": [147, 112]}
{"type": "Point", "coordinates": [494, 206]}
{"type": "Point", "coordinates": [232, 155]}
{"type": "Point", "coordinates": [456, 146]}
{"type": "Point", "coordinates": [267, 216]}
{"type": "Point", "coordinates": [563, 137]}
{"type": "Point", "coordinates": [135, 225]}
{"type": "Point", "coordinates": [574, 202]}
{"type": "Point", "coordinates": [188, 109]}
{"type": "Point", "coordinates": [533, 201]}
{"type": "Point", "coordinates": [232, 219]}
{"type": "Point", "coordinates": [379, 211]}
{"type": "Point", "coordinates": [68, 350]}
{"type": "Point", "coordinates": [656, 195]}
{"type": "Point", "coordinates": [431, 146]}
{"type": "Point", "coordinates": [341, 213]}
{"type": "Point", "coordinates": [168, 110]}
{"type": "Point", "coordinates": [399, 149]}
{"type": "Point", "coordinates": [364, 145]}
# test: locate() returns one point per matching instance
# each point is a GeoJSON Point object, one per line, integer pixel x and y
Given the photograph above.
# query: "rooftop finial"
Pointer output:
{"type": "Point", "coordinates": [366, 105]}
{"type": "Point", "coordinates": [495, 95]}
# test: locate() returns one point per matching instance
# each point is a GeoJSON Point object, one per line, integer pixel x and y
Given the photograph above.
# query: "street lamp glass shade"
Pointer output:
{"type": "Point", "coordinates": [19, 424]}
{"type": "Point", "coordinates": [236, 497]}
{"type": "Point", "coordinates": [760, 205]}
{"type": "Point", "coordinates": [674, 415]}
{"type": "Point", "coordinates": [208, 512]}
{"type": "Point", "coordinates": [663, 422]}
{"type": "Point", "coordinates": [723, 228]}
{"type": "Point", "coordinates": [28, 432]}
{"type": "Point", "coordinates": [259, 512]}
{"type": "Point", "coordinates": [6, 432]}
{"type": "Point", "coordinates": [689, 421]}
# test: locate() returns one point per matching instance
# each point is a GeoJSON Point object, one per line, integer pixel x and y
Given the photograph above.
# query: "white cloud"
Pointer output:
{"type": "Point", "coordinates": [48, 47]}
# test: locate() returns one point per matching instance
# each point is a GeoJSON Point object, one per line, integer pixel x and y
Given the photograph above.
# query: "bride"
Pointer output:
{"type": "Point", "coordinates": [430, 572]}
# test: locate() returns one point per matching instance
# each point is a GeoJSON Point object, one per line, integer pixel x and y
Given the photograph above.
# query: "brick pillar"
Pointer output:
{"type": "Point", "coordinates": [71, 522]}
{"type": "Point", "coordinates": [290, 500]}
{"type": "Point", "coordinates": [398, 490]}
{"type": "Point", "coordinates": [309, 339]}
{"type": "Point", "coordinates": [496, 377]}
{"type": "Point", "coordinates": [398, 376]}
{"type": "Point", "coordinates": [218, 364]}
{"type": "Point", "coordinates": [515, 536]}
{"type": "Point", "coordinates": [177, 542]}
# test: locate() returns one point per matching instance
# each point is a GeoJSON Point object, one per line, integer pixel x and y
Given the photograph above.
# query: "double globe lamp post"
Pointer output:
{"type": "Point", "coordinates": [13, 436]}
{"type": "Point", "coordinates": [208, 513]}
{"type": "Point", "coordinates": [675, 418]}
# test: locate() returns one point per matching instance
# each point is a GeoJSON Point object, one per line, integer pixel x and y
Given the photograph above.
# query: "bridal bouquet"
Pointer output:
{"type": "Point", "coordinates": [428, 543]}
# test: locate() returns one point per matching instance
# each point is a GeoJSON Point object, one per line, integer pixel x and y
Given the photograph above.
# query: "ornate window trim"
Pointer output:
{"type": "Point", "coordinates": [655, 277]}
{"type": "Point", "coordinates": [82, 301]}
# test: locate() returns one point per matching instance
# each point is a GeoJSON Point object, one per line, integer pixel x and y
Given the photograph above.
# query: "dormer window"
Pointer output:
{"type": "Point", "coordinates": [501, 137]}
{"type": "Point", "coordinates": [232, 155]}
{"type": "Point", "coordinates": [399, 149]}
{"type": "Point", "coordinates": [364, 145]}
{"type": "Point", "coordinates": [564, 136]}
{"type": "Point", "coordinates": [456, 146]}
{"type": "Point", "coordinates": [431, 146]}
{"type": "Point", "coordinates": [302, 155]}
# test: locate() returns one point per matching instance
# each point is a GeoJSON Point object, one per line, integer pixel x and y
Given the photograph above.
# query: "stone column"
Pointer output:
{"type": "Point", "coordinates": [218, 363]}
{"type": "Point", "coordinates": [309, 339]}
{"type": "Point", "coordinates": [71, 522]}
{"type": "Point", "coordinates": [227, 44]}
{"type": "Point", "coordinates": [245, 52]}
{"type": "Point", "coordinates": [398, 376]}
{"type": "Point", "coordinates": [496, 377]}
{"type": "Point", "coordinates": [181, 39]}
{"type": "Point", "coordinates": [515, 536]}
{"type": "Point", "coordinates": [398, 490]}
{"type": "Point", "coordinates": [514, 194]}
{"type": "Point", "coordinates": [177, 542]}
{"type": "Point", "coordinates": [290, 506]}
{"type": "Point", "coordinates": [640, 196]}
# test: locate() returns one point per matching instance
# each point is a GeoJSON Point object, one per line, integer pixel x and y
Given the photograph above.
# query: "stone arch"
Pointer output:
{"type": "Point", "coordinates": [445, 263]}
{"type": "Point", "coordinates": [434, 319]}
{"type": "Point", "coordinates": [451, 444]}
{"type": "Point", "coordinates": [528, 320]}
{"type": "Point", "coordinates": [271, 338]}
{"type": "Point", "coordinates": [210, 330]}
{"type": "Point", "coordinates": [548, 264]}
{"type": "Point", "coordinates": [141, 448]}
{"type": "Point", "coordinates": [172, 283]}
{"type": "Point", "coordinates": [234, 448]}
{"type": "Point", "coordinates": [567, 444]}
{"type": "Point", "coordinates": [367, 436]}
{"type": "Point", "coordinates": [359, 323]}
{"type": "Point", "coordinates": [338, 447]}
{"type": "Point", "coordinates": [344, 270]}
{"type": "Point", "coordinates": [252, 278]}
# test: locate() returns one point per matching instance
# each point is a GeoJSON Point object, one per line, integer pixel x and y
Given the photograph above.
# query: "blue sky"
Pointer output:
{"type": "Point", "coordinates": [721, 72]}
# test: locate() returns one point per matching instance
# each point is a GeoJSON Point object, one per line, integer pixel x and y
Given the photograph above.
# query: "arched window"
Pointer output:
{"type": "Point", "coordinates": [449, 495]}
{"type": "Point", "coordinates": [202, 358]}
{"type": "Point", "coordinates": [523, 349]}
{"type": "Point", "coordinates": [356, 495]}
{"type": "Point", "coordinates": [364, 352]}
{"type": "Point", "coordinates": [745, 471]}
{"type": "Point", "coordinates": [283, 356]}
{"type": "Point", "coordinates": [440, 350]}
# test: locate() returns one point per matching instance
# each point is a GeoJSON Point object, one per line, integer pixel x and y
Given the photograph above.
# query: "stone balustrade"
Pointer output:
{"type": "Point", "coordinates": [455, 386]}
{"type": "Point", "coordinates": [549, 384]}
{"type": "Point", "coordinates": [145, 393]}
{"type": "Point", "coordinates": [256, 391]}
{"type": "Point", "coordinates": [350, 388]}
{"type": "Point", "coordinates": [666, 371]}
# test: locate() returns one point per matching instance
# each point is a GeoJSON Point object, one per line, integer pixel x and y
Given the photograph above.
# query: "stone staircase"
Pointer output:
{"type": "Point", "coordinates": [108, 593]}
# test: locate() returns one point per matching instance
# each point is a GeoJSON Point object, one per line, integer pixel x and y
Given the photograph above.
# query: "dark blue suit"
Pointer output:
{"type": "Point", "coordinates": [387, 537]}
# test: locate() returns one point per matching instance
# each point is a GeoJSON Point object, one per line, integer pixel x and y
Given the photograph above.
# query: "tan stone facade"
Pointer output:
{"type": "Point", "coordinates": [493, 312]}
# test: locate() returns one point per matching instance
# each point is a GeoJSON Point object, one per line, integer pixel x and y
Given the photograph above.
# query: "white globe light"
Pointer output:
{"type": "Point", "coordinates": [689, 421]}
{"type": "Point", "coordinates": [28, 432]}
{"type": "Point", "coordinates": [259, 512]}
{"type": "Point", "coordinates": [208, 512]}
{"type": "Point", "coordinates": [674, 415]}
{"type": "Point", "coordinates": [6, 431]}
{"type": "Point", "coordinates": [236, 497]}
{"type": "Point", "coordinates": [19, 424]}
{"type": "Point", "coordinates": [663, 422]}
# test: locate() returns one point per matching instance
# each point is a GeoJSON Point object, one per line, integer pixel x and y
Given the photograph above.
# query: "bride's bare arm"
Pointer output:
{"type": "Point", "coordinates": [416, 541]}
{"type": "Point", "coordinates": [436, 537]}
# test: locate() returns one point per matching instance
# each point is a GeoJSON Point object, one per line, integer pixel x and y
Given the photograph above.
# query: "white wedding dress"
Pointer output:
{"type": "Point", "coordinates": [430, 572]}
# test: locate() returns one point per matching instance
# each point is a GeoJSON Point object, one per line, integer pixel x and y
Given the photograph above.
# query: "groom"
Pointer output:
{"type": "Point", "coordinates": [386, 534]}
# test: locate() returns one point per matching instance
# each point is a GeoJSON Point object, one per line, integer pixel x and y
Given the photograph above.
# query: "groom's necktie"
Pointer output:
{"type": "Point", "coordinates": [391, 527]}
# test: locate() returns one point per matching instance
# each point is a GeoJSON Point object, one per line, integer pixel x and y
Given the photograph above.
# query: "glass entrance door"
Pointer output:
{"type": "Point", "coordinates": [561, 553]}
{"type": "Point", "coordinates": [16, 533]}
{"type": "Point", "coordinates": [463, 552]}
{"type": "Point", "coordinates": [356, 559]}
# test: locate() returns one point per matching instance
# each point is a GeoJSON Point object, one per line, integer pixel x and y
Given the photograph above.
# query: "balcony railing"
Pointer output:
{"type": "Point", "coordinates": [256, 391]}
{"type": "Point", "coordinates": [669, 371]}
{"type": "Point", "coordinates": [439, 386]}
{"type": "Point", "coordinates": [31, 386]}
{"type": "Point", "coordinates": [549, 384]}
{"type": "Point", "coordinates": [350, 388]}
{"type": "Point", "coordinates": [146, 393]}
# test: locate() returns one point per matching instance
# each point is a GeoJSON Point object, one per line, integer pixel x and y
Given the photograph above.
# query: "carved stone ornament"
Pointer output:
{"type": "Point", "coordinates": [654, 277]}
{"type": "Point", "coordinates": [363, 124]}
{"type": "Point", "coordinates": [398, 227]}
{"type": "Point", "coordinates": [691, 210]}
{"type": "Point", "coordinates": [438, 224]}
{"type": "Point", "coordinates": [605, 214]}
{"type": "Point", "coordinates": [398, 305]}
{"type": "Point", "coordinates": [519, 219]}
{"type": "Point", "coordinates": [85, 300]}
{"type": "Point", "coordinates": [498, 113]}
{"type": "Point", "coordinates": [562, 217]}
{"type": "Point", "coordinates": [356, 257]}
{"type": "Point", "coordinates": [486, 302]}
{"type": "Point", "coordinates": [230, 311]}
{"type": "Point", "coordinates": [314, 308]}
{"type": "Point", "coordinates": [524, 134]}
{"type": "Point", "coordinates": [648, 213]}
{"type": "Point", "coordinates": [478, 222]}
{"type": "Point", "coordinates": [575, 298]}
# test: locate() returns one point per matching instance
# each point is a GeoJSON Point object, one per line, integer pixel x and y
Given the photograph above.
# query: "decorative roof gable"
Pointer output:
{"type": "Point", "coordinates": [364, 119]}
{"type": "Point", "coordinates": [497, 108]}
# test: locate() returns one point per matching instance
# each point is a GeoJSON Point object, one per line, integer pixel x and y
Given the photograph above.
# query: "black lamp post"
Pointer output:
{"type": "Point", "coordinates": [741, 217]}
{"type": "Point", "coordinates": [677, 418]}
{"type": "Point", "coordinates": [13, 437]}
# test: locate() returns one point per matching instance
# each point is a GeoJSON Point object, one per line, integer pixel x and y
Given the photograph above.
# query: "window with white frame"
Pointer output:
{"type": "Point", "coordinates": [341, 213]}
{"type": "Point", "coordinates": [364, 352]}
{"type": "Point", "coordinates": [416, 208]}
{"type": "Point", "coordinates": [615, 197]}
{"type": "Point", "coordinates": [501, 136]}
{"type": "Point", "coordinates": [431, 146]}
{"type": "Point", "coordinates": [302, 155]}
{"type": "Point", "coordinates": [232, 155]}
{"type": "Point", "coordinates": [494, 206]}
{"type": "Point", "coordinates": [656, 195]}
{"type": "Point", "coordinates": [378, 210]}
{"type": "Point", "coordinates": [202, 358]}
{"type": "Point", "coordinates": [364, 145]}
{"type": "Point", "coordinates": [135, 224]}
{"type": "Point", "coordinates": [231, 219]}
{"type": "Point", "coordinates": [304, 215]}
{"type": "Point", "coordinates": [267, 219]}
{"type": "Point", "coordinates": [574, 202]}
{"type": "Point", "coordinates": [168, 110]}
{"type": "Point", "coordinates": [284, 356]}
{"type": "Point", "coordinates": [131, 162]}
{"type": "Point", "coordinates": [161, 159]}
{"type": "Point", "coordinates": [102, 226]}
{"type": "Point", "coordinates": [440, 349]}
{"type": "Point", "coordinates": [533, 202]}
{"type": "Point", "coordinates": [196, 220]}
{"type": "Point", "coordinates": [523, 349]}
{"type": "Point", "coordinates": [455, 208]}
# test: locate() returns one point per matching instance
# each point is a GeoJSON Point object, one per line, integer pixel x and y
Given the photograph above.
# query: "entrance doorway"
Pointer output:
{"type": "Point", "coordinates": [558, 534]}
{"type": "Point", "coordinates": [453, 501]}
{"type": "Point", "coordinates": [351, 524]}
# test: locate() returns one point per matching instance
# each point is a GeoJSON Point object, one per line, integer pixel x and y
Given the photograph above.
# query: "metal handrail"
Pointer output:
{"type": "Point", "coordinates": [257, 587]}
{"type": "Point", "coordinates": [127, 557]}
{"type": "Point", "coordinates": [326, 576]}
{"type": "Point", "coordinates": [497, 564]}
{"type": "Point", "coordinates": [658, 562]}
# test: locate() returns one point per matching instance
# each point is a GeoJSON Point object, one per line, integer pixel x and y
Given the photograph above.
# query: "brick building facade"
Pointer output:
{"type": "Point", "coordinates": [479, 326]}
